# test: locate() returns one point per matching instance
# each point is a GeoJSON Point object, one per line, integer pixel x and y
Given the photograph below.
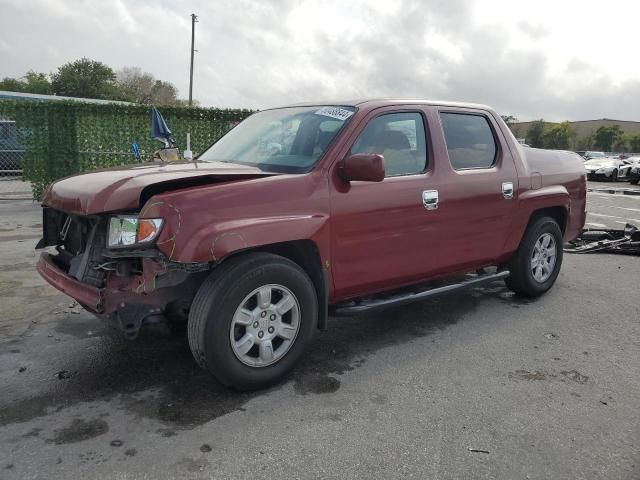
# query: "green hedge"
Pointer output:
{"type": "Point", "coordinates": [65, 137]}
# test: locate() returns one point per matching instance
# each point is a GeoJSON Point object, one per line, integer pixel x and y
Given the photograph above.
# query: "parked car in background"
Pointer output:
{"type": "Point", "coordinates": [588, 155]}
{"type": "Point", "coordinates": [608, 168]}
{"type": "Point", "coordinates": [634, 173]}
{"type": "Point", "coordinates": [310, 209]}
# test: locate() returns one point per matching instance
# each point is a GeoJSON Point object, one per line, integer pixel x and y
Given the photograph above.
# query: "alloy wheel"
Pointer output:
{"type": "Point", "coordinates": [543, 257]}
{"type": "Point", "coordinates": [265, 325]}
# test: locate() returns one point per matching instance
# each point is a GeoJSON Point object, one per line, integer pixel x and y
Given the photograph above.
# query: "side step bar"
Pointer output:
{"type": "Point", "coordinates": [354, 308]}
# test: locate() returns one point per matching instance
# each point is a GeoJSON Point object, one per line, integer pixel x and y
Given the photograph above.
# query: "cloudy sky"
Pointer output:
{"type": "Point", "coordinates": [556, 59]}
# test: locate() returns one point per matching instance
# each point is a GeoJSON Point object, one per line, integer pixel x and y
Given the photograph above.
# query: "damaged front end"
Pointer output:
{"type": "Point", "coordinates": [626, 241]}
{"type": "Point", "coordinates": [114, 270]}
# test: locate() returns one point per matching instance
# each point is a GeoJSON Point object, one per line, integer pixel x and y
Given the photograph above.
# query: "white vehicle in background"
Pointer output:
{"type": "Point", "coordinates": [634, 173]}
{"type": "Point", "coordinates": [588, 155]}
{"type": "Point", "coordinates": [608, 168]}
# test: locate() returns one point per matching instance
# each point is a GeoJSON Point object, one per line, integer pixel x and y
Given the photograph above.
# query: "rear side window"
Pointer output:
{"type": "Point", "coordinates": [399, 138]}
{"type": "Point", "coordinates": [470, 141]}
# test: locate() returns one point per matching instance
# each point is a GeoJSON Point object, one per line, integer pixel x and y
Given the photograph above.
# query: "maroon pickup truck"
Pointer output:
{"type": "Point", "coordinates": [307, 211]}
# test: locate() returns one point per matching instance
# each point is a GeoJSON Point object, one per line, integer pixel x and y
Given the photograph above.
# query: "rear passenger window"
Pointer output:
{"type": "Point", "coordinates": [469, 140]}
{"type": "Point", "coordinates": [399, 138]}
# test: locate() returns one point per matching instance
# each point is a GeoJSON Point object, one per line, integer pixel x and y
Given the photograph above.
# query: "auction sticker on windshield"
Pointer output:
{"type": "Point", "coordinates": [335, 112]}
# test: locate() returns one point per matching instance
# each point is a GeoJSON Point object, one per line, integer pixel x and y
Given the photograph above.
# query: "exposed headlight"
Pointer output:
{"type": "Point", "coordinates": [126, 231]}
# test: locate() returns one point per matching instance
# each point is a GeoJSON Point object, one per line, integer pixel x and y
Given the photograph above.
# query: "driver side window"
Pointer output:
{"type": "Point", "coordinates": [399, 138]}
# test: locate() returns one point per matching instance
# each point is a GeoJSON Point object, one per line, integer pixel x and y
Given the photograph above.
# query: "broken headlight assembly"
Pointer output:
{"type": "Point", "coordinates": [130, 231]}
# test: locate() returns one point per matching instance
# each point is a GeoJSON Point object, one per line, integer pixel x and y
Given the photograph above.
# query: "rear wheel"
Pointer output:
{"type": "Point", "coordinates": [251, 319]}
{"type": "Point", "coordinates": [536, 264]}
{"type": "Point", "coordinates": [634, 181]}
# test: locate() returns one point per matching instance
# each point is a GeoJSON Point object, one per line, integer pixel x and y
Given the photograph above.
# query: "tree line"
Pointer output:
{"type": "Point", "coordinates": [560, 136]}
{"type": "Point", "coordinates": [86, 78]}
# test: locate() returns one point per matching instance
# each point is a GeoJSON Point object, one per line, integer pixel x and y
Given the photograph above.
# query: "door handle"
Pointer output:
{"type": "Point", "coordinates": [430, 199]}
{"type": "Point", "coordinates": [507, 190]}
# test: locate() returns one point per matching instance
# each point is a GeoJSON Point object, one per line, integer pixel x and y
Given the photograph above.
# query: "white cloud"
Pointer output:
{"type": "Point", "coordinates": [547, 58]}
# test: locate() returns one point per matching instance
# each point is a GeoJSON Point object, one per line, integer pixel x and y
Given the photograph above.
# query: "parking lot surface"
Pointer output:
{"type": "Point", "coordinates": [480, 384]}
{"type": "Point", "coordinates": [606, 210]}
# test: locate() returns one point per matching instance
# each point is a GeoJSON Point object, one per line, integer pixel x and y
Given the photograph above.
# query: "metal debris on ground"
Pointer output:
{"type": "Point", "coordinates": [625, 241]}
{"type": "Point", "coordinates": [478, 450]}
{"type": "Point", "coordinates": [63, 374]}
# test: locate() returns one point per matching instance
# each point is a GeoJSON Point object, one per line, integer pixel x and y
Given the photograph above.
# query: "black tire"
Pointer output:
{"type": "Point", "coordinates": [521, 279]}
{"type": "Point", "coordinates": [614, 176]}
{"type": "Point", "coordinates": [634, 181]}
{"type": "Point", "coordinates": [215, 304]}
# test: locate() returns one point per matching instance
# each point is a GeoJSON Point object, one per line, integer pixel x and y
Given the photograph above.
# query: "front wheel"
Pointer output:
{"type": "Point", "coordinates": [536, 264]}
{"type": "Point", "coordinates": [251, 319]}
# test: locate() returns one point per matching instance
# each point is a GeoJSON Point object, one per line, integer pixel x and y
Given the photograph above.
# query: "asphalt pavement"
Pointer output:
{"type": "Point", "coordinates": [613, 210]}
{"type": "Point", "coordinates": [480, 384]}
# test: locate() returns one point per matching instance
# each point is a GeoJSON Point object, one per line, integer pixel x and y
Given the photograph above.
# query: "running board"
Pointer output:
{"type": "Point", "coordinates": [353, 308]}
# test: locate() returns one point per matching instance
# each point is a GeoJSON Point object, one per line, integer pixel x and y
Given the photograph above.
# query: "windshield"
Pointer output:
{"type": "Point", "coordinates": [289, 140]}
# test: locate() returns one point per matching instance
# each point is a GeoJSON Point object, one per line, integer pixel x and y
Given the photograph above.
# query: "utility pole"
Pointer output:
{"type": "Point", "coordinates": [194, 19]}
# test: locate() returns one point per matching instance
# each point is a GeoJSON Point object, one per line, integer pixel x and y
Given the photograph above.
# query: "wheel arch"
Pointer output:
{"type": "Point", "coordinates": [558, 213]}
{"type": "Point", "coordinates": [306, 254]}
{"type": "Point", "coordinates": [553, 201]}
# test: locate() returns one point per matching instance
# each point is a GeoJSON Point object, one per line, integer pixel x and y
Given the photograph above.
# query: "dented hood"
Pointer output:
{"type": "Point", "coordinates": [120, 189]}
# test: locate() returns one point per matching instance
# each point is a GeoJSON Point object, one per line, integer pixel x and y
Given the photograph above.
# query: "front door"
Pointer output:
{"type": "Point", "coordinates": [382, 234]}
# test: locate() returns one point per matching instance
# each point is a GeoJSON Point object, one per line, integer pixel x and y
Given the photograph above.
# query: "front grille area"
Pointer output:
{"type": "Point", "coordinates": [79, 241]}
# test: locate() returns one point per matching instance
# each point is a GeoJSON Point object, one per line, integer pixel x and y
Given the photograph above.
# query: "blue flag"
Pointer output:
{"type": "Point", "coordinates": [159, 129]}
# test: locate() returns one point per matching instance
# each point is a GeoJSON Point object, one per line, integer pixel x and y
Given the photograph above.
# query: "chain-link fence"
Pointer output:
{"type": "Point", "coordinates": [11, 151]}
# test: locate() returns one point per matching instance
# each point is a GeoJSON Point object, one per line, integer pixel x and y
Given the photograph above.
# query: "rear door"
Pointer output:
{"type": "Point", "coordinates": [479, 193]}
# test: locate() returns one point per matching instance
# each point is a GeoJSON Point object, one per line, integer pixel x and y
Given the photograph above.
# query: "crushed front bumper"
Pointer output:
{"type": "Point", "coordinates": [89, 297]}
{"type": "Point", "coordinates": [151, 290]}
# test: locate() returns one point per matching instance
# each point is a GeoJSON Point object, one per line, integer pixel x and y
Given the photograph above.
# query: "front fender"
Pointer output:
{"type": "Point", "coordinates": [186, 238]}
{"type": "Point", "coordinates": [214, 242]}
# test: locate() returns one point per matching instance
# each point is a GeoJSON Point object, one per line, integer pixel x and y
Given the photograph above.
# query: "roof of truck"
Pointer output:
{"type": "Point", "coordinates": [381, 102]}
